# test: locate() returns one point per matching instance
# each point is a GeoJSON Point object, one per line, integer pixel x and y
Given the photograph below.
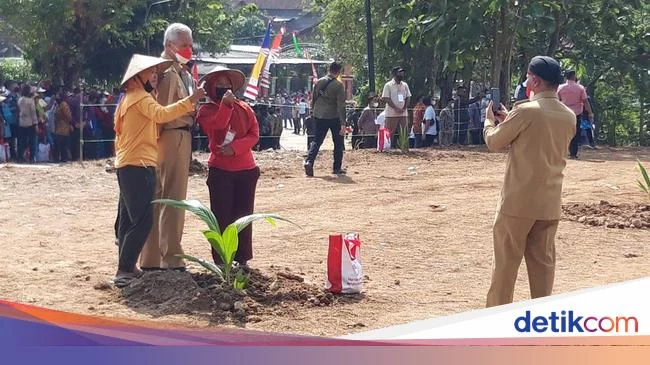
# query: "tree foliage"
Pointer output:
{"type": "Point", "coordinates": [68, 40]}
{"type": "Point", "coordinates": [487, 43]}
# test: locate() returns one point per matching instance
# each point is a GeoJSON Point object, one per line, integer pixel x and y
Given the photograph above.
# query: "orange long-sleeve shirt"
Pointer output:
{"type": "Point", "coordinates": [136, 120]}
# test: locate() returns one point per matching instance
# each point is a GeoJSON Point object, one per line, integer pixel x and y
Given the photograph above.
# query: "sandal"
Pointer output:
{"type": "Point", "coordinates": [123, 279]}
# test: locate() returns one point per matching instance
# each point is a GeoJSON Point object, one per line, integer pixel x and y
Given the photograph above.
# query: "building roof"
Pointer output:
{"type": "Point", "coordinates": [274, 4]}
{"type": "Point", "coordinates": [247, 55]}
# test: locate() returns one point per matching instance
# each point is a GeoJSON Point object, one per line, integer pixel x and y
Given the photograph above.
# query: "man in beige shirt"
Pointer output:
{"type": "Point", "coordinates": [538, 132]}
{"type": "Point", "coordinates": [396, 95]}
{"type": "Point", "coordinates": [174, 155]}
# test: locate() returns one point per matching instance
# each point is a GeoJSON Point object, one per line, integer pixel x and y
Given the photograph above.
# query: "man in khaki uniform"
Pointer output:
{"type": "Point", "coordinates": [538, 132]}
{"type": "Point", "coordinates": [174, 155]}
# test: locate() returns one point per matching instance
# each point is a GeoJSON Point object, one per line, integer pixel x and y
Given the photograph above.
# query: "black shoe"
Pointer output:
{"type": "Point", "coordinates": [309, 169]}
{"type": "Point", "coordinates": [339, 172]}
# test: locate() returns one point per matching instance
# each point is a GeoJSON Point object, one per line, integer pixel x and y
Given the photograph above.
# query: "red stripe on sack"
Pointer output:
{"type": "Point", "coordinates": [334, 263]}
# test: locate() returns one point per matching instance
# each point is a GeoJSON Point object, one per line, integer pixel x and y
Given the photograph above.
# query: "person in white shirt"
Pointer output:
{"type": "Point", "coordinates": [302, 111]}
{"type": "Point", "coordinates": [381, 119]}
{"type": "Point", "coordinates": [397, 95]}
{"type": "Point", "coordinates": [430, 123]}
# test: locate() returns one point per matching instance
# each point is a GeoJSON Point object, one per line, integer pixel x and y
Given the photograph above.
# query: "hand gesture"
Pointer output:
{"type": "Point", "coordinates": [198, 94]}
{"type": "Point", "coordinates": [228, 98]}
{"type": "Point", "coordinates": [501, 114]}
{"type": "Point", "coordinates": [228, 151]}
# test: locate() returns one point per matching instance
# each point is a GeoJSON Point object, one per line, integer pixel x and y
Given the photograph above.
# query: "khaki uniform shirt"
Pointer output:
{"type": "Point", "coordinates": [175, 84]}
{"type": "Point", "coordinates": [538, 132]}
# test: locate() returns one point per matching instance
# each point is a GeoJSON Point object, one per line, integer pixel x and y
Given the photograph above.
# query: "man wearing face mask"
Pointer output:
{"type": "Point", "coordinates": [538, 133]}
{"type": "Point", "coordinates": [396, 95]}
{"type": "Point", "coordinates": [174, 154]}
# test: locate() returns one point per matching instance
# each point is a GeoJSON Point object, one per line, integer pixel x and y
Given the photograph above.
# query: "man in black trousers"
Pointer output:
{"type": "Point", "coordinates": [328, 112]}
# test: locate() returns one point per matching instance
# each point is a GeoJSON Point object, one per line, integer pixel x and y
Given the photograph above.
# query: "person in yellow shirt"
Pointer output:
{"type": "Point", "coordinates": [136, 132]}
{"type": "Point", "coordinates": [538, 132]}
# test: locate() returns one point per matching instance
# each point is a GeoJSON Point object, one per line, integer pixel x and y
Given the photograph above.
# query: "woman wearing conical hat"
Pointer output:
{"type": "Point", "coordinates": [136, 131]}
{"type": "Point", "coordinates": [232, 131]}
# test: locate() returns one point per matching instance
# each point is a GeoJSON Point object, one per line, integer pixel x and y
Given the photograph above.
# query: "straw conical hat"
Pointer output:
{"type": "Point", "coordinates": [140, 63]}
{"type": "Point", "coordinates": [236, 77]}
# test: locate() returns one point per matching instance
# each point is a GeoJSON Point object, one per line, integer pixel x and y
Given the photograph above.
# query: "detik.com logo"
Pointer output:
{"type": "Point", "coordinates": [568, 321]}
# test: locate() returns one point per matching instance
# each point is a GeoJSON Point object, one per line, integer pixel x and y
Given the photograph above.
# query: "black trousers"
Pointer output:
{"type": "Point", "coordinates": [75, 139]}
{"type": "Point", "coordinates": [477, 136]}
{"type": "Point", "coordinates": [322, 126]}
{"type": "Point", "coordinates": [61, 148]}
{"type": "Point", "coordinates": [135, 212]}
{"type": "Point", "coordinates": [232, 196]}
{"type": "Point", "coordinates": [25, 137]}
{"type": "Point", "coordinates": [575, 141]}
{"type": "Point", "coordinates": [460, 134]}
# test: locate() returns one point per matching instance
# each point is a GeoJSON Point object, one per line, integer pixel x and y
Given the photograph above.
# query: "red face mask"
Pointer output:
{"type": "Point", "coordinates": [184, 55]}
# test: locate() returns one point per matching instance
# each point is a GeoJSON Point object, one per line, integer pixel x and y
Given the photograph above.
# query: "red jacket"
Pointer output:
{"type": "Point", "coordinates": [216, 119]}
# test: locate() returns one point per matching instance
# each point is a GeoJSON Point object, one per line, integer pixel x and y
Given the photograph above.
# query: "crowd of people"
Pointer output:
{"type": "Point", "coordinates": [155, 115]}
{"type": "Point", "coordinates": [44, 123]}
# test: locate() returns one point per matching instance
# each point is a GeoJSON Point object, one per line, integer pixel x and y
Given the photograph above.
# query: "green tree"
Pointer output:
{"type": "Point", "coordinates": [67, 40]}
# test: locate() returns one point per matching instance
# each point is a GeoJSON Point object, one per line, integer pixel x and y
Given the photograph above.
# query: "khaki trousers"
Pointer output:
{"type": "Point", "coordinates": [514, 239]}
{"type": "Point", "coordinates": [396, 123]}
{"type": "Point", "coordinates": [164, 242]}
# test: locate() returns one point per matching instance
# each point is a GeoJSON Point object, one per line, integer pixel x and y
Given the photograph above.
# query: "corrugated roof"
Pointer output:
{"type": "Point", "coordinates": [274, 4]}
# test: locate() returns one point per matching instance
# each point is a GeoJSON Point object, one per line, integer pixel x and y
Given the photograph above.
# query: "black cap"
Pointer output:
{"type": "Point", "coordinates": [546, 68]}
{"type": "Point", "coordinates": [397, 69]}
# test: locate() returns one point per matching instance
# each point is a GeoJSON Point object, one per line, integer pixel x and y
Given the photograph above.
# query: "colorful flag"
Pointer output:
{"type": "Point", "coordinates": [252, 90]}
{"type": "Point", "coordinates": [296, 46]}
{"type": "Point", "coordinates": [265, 81]}
{"type": "Point", "coordinates": [300, 53]}
{"type": "Point", "coordinates": [313, 68]}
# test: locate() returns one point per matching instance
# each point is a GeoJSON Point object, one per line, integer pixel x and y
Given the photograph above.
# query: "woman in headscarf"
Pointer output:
{"type": "Point", "coordinates": [136, 128]}
{"type": "Point", "coordinates": [233, 131]}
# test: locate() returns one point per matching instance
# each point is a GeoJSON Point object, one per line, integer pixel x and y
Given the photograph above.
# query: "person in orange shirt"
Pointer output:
{"type": "Point", "coordinates": [136, 129]}
{"type": "Point", "coordinates": [233, 131]}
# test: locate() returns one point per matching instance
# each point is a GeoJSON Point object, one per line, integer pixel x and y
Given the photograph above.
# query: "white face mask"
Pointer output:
{"type": "Point", "coordinates": [375, 105]}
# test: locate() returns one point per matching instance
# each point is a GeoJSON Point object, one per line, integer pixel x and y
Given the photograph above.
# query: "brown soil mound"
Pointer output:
{"type": "Point", "coordinates": [609, 215]}
{"type": "Point", "coordinates": [169, 292]}
{"type": "Point", "coordinates": [196, 167]}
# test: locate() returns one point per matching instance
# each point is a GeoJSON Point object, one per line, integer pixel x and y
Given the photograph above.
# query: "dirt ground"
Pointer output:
{"type": "Point", "coordinates": [424, 220]}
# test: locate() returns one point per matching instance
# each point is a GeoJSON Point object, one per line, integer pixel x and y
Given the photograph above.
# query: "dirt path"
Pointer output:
{"type": "Point", "coordinates": [57, 234]}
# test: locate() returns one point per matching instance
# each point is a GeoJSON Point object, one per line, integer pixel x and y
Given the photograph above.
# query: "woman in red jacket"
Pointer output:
{"type": "Point", "coordinates": [232, 131]}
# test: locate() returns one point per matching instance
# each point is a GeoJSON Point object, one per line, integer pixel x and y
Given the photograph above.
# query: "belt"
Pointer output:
{"type": "Point", "coordinates": [185, 128]}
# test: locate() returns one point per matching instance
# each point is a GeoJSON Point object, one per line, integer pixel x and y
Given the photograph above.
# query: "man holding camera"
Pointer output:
{"type": "Point", "coordinates": [538, 132]}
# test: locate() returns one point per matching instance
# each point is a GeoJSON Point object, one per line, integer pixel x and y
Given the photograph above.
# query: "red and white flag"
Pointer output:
{"type": "Point", "coordinates": [252, 89]}
{"type": "Point", "coordinates": [274, 54]}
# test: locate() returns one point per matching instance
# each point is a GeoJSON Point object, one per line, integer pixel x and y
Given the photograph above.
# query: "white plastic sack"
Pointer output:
{"type": "Point", "coordinates": [344, 270]}
{"type": "Point", "coordinates": [43, 153]}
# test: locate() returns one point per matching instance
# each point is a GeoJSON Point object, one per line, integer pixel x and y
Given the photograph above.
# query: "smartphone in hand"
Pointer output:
{"type": "Point", "coordinates": [495, 96]}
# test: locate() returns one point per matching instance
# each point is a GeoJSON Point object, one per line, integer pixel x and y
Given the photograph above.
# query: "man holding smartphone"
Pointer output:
{"type": "Point", "coordinates": [538, 132]}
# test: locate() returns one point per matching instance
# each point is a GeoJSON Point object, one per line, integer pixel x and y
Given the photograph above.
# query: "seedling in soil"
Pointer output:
{"type": "Point", "coordinates": [225, 243]}
{"type": "Point", "coordinates": [645, 185]}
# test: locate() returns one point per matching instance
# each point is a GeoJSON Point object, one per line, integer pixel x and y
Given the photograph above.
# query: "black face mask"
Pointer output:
{"type": "Point", "coordinates": [147, 86]}
{"type": "Point", "coordinates": [219, 92]}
